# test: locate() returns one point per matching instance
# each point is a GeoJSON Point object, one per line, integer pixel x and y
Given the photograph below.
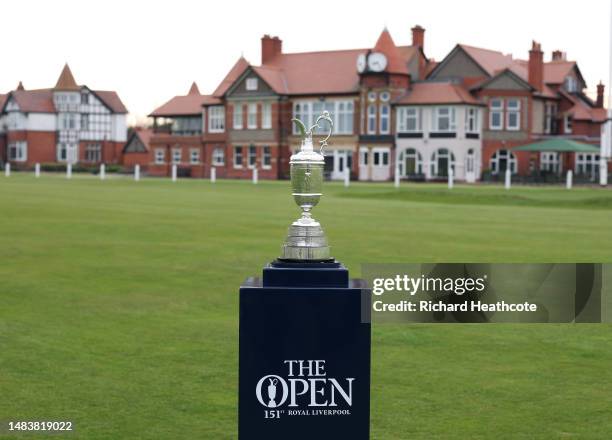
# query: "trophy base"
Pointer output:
{"type": "Point", "coordinates": [305, 241]}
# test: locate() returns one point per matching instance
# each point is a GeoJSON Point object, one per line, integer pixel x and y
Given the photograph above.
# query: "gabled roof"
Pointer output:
{"type": "Point", "coordinates": [112, 100]}
{"type": "Point", "coordinates": [236, 70]}
{"type": "Point", "coordinates": [66, 80]}
{"type": "Point", "coordinates": [311, 73]}
{"type": "Point", "coordinates": [555, 72]}
{"type": "Point", "coordinates": [186, 105]}
{"type": "Point", "coordinates": [144, 136]}
{"type": "Point", "coordinates": [491, 61]}
{"type": "Point", "coordinates": [396, 63]}
{"type": "Point", "coordinates": [507, 71]}
{"type": "Point", "coordinates": [583, 110]}
{"type": "Point", "coordinates": [37, 101]}
{"type": "Point", "coordinates": [426, 93]}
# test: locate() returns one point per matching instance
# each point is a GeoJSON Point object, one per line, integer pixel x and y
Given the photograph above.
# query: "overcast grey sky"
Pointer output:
{"type": "Point", "coordinates": [150, 50]}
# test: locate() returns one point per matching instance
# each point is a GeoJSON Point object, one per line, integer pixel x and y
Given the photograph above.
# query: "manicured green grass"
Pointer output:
{"type": "Point", "coordinates": [119, 305]}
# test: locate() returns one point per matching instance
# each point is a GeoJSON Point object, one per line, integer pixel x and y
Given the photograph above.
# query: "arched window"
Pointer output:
{"type": "Point", "coordinates": [501, 160]}
{"type": "Point", "coordinates": [410, 163]}
{"type": "Point", "coordinates": [441, 160]}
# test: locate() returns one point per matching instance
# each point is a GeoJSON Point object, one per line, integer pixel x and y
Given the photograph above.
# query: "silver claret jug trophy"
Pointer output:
{"type": "Point", "coordinates": [306, 240]}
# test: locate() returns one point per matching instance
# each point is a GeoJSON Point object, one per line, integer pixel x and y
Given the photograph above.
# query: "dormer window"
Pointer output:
{"type": "Point", "coordinates": [84, 98]}
{"type": "Point", "coordinates": [251, 84]}
{"type": "Point", "coordinates": [571, 85]}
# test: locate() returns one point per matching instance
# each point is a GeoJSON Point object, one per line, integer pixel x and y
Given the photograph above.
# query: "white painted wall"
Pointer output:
{"type": "Point", "coordinates": [459, 146]}
{"type": "Point", "coordinates": [119, 130]}
{"type": "Point", "coordinates": [41, 122]}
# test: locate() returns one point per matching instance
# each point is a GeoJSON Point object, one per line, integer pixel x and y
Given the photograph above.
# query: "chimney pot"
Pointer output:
{"type": "Point", "coordinates": [270, 47]}
{"type": "Point", "coordinates": [536, 66]}
{"type": "Point", "coordinates": [601, 88]}
{"type": "Point", "coordinates": [418, 36]}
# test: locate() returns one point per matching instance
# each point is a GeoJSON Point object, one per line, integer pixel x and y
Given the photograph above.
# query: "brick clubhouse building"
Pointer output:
{"type": "Point", "coordinates": [68, 123]}
{"type": "Point", "coordinates": [466, 112]}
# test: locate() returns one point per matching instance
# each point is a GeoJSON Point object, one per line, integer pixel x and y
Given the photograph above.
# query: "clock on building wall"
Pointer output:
{"type": "Point", "coordinates": [377, 62]}
{"type": "Point", "coordinates": [361, 63]}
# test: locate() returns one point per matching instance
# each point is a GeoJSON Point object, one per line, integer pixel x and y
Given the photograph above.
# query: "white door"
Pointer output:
{"type": "Point", "coordinates": [72, 153]}
{"type": "Point", "coordinates": [381, 163]}
{"type": "Point", "coordinates": [470, 166]}
{"type": "Point", "coordinates": [342, 163]}
{"type": "Point", "coordinates": [364, 161]}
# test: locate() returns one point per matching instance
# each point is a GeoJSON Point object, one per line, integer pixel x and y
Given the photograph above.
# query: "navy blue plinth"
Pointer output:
{"type": "Point", "coordinates": [309, 313]}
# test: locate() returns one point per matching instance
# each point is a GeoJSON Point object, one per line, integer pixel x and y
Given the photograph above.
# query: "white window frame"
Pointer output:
{"type": "Point", "coordinates": [237, 118]}
{"type": "Point", "coordinates": [452, 119]}
{"type": "Point", "coordinates": [252, 116]}
{"type": "Point", "coordinates": [194, 156]}
{"type": "Point", "coordinates": [513, 111]}
{"type": "Point", "coordinates": [238, 148]}
{"type": "Point", "coordinates": [385, 119]}
{"type": "Point", "coordinates": [216, 119]}
{"type": "Point", "coordinates": [550, 162]}
{"type": "Point", "coordinates": [371, 123]}
{"type": "Point", "coordinates": [266, 156]}
{"type": "Point", "coordinates": [21, 151]}
{"type": "Point", "coordinates": [160, 156]}
{"type": "Point", "coordinates": [418, 161]}
{"type": "Point", "coordinates": [378, 156]}
{"type": "Point", "coordinates": [571, 84]}
{"type": "Point", "coordinates": [435, 157]}
{"type": "Point", "coordinates": [251, 156]}
{"type": "Point", "coordinates": [266, 115]}
{"type": "Point", "coordinates": [218, 157]}
{"type": "Point", "coordinates": [472, 118]}
{"type": "Point", "coordinates": [585, 160]}
{"type": "Point", "coordinates": [95, 147]}
{"type": "Point", "coordinates": [177, 158]}
{"type": "Point", "coordinates": [342, 109]}
{"type": "Point", "coordinates": [252, 84]}
{"type": "Point", "coordinates": [568, 124]}
{"type": "Point", "coordinates": [372, 96]}
{"type": "Point", "coordinates": [496, 109]}
{"type": "Point", "coordinates": [385, 96]}
{"type": "Point", "coordinates": [364, 153]}
{"type": "Point", "coordinates": [407, 113]}
{"type": "Point", "coordinates": [510, 159]}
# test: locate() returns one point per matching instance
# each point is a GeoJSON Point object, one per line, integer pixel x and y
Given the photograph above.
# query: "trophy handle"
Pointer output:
{"type": "Point", "coordinates": [324, 117]}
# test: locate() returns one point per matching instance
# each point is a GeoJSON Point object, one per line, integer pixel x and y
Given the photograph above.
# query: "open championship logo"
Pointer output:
{"type": "Point", "coordinates": [305, 387]}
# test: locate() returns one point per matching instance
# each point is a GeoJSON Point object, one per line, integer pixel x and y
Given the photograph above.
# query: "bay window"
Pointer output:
{"type": "Point", "coordinates": [216, 119]}
{"type": "Point", "coordinates": [341, 112]}
{"type": "Point", "coordinates": [444, 119]}
{"type": "Point", "coordinates": [408, 120]}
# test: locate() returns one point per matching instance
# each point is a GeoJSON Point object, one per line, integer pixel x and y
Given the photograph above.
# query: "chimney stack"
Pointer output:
{"type": "Point", "coordinates": [270, 47]}
{"type": "Point", "coordinates": [536, 66]}
{"type": "Point", "coordinates": [599, 103]}
{"type": "Point", "coordinates": [558, 55]}
{"type": "Point", "coordinates": [418, 36]}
